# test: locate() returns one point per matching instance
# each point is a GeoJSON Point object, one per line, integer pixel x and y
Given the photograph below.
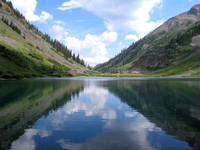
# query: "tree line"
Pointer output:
{"type": "Point", "coordinates": [63, 49]}
{"type": "Point", "coordinates": [186, 37]}
{"type": "Point", "coordinates": [14, 27]}
{"type": "Point", "coordinates": [55, 43]}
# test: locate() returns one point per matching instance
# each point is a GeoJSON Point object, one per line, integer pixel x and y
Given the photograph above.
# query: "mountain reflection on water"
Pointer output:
{"type": "Point", "coordinates": [173, 106]}
{"type": "Point", "coordinates": [99, 114]}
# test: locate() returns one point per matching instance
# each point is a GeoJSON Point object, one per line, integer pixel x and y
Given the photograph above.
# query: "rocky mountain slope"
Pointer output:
{"type": "Point", "coordinates": [171, 49]}
{"type": "Point", "coordinates": [27, 52]}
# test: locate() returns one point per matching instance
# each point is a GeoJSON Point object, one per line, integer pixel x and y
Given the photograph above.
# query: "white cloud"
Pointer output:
{"type": "Point", "coordinates": [109, 37]}
{"type": "Point", "coordinates": [28, 7]}
{"type": "Point", "coordinates": [95, 60]}
{"type": "Point", "coordinates": [96, 44]}
{"type": "Point", "coordinates": [75, 44]}
{"type": "Point", "coordinates": [58, 32]}
{"type": "Point", "coordinates": [44, 17]}
{"type": "Point", "coordinates": [131, 15]}
{"type": "Point", "coordinates": [70, 5]}
{"type": "Point", "coordinates": [60, 22]}
{"type": "Point", "coordinates": [25, 6]}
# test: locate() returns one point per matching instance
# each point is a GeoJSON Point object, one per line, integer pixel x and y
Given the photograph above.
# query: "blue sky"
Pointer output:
{"type": "Point", "coordinates": [99, 29]}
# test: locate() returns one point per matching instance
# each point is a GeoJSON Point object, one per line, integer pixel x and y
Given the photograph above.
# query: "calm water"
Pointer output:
{"type": "Point", "coordinates": [99, 113]}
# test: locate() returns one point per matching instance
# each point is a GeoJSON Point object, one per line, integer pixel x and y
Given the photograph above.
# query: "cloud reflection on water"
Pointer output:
{"type": "Point", "coordinates": [118, 135]}
{"type": "Point", "coordinates": [26, 141]}
{"type": "Point", "coordinates": [122, 127]}
{"type": "Point", "coordinates": [93, 102]}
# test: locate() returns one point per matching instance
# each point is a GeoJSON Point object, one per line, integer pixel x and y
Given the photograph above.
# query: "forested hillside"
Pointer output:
{"type": "Point", "coordinates": [171, 49]}
{"type": "Point", "coordinates": [27, 52]}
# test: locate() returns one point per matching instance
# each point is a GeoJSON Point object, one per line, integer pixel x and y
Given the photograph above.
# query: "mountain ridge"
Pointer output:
{"type": "Point", "coordinates": [169, 43]}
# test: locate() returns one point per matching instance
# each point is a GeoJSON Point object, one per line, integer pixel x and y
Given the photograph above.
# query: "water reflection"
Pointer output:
{"type": "Point", "coordinates": [118, 135]}
{"type": "Point", "coordinates": [22, 103]}
{"type": "Point", "coordinates": [26, 142]}
{"type": "Point", "coordinates": [100, 114]}
{"type": "Point", "coordinates": [93, 102]}
{"type": "Point", "coordinates": [172, 105]}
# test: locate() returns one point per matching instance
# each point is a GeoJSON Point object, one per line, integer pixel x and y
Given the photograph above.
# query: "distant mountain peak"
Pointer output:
{"type": "Point", "coordinates": [192, 15]}
{"type": "Point", "coordinates": [195, 10]}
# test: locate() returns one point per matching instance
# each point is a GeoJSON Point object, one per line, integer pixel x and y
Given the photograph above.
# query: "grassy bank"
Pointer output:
{"type": "Point", "coordinates": [19, 64]}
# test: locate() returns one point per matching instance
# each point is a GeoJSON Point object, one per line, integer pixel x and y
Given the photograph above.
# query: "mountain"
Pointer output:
{"type": "Point", "coordinates": [171, 49]}
{"type": "Point", "coordinates": [27, 52]}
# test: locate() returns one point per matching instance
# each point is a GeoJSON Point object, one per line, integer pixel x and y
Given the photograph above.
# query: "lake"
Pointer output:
{"type": "Point", "coordinates": [100, 114]}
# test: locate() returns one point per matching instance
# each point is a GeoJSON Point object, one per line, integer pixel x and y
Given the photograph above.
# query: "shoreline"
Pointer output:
{"type": "Point", "coordinates": [93, 77]}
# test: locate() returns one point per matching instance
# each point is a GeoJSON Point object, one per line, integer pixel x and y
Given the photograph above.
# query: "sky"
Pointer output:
{"type": "Point", "coordinates": [98, 30]}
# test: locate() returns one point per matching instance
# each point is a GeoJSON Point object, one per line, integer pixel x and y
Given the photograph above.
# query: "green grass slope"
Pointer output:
{"type": "Point", "coordinates": [26, 52]}
{"type": "Point", "coordinates": [15, 64]}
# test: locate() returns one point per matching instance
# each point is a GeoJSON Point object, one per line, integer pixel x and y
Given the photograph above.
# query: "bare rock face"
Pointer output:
{"type": "Point", "coordinates": [195, 10]}
{"type": "Point", "coordinates": [193, 14]}
{"type": "Point", "coordinates": [5, 7]}
{"type": "Point", "coordinates": [150, 60]}
{"type": "Point", "coordinates": [196, 41]}
{"type": "Point", "coordinates": [168, 25]}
